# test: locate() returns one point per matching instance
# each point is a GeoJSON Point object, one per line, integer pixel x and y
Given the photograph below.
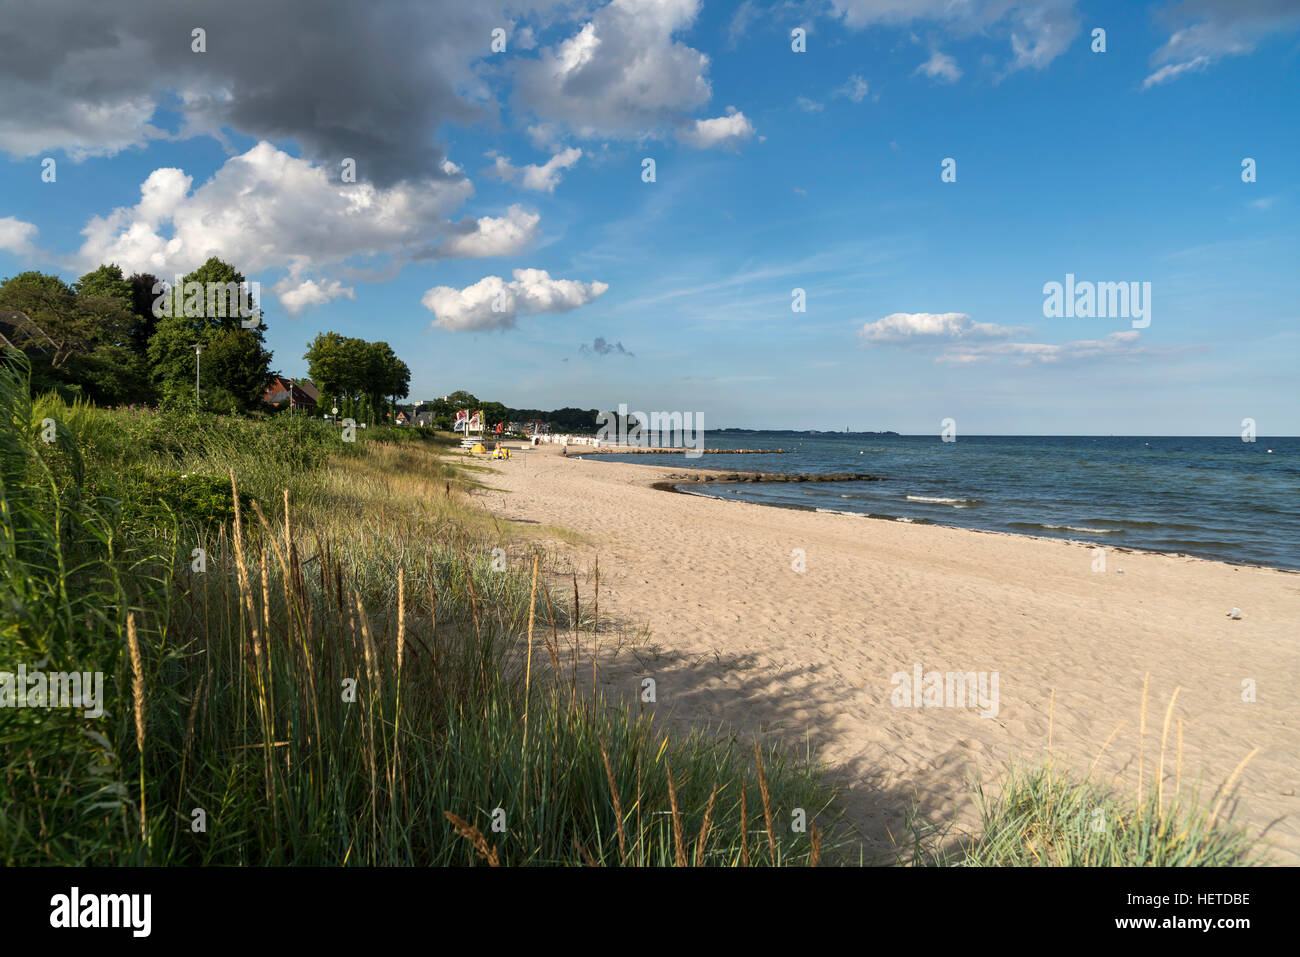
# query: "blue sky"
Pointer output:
{"type": "Point", "coordinates": [775, 170]}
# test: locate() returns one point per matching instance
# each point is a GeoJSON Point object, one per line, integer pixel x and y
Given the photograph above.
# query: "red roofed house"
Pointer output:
{"type": "Point", "coordinates": [299, 394]}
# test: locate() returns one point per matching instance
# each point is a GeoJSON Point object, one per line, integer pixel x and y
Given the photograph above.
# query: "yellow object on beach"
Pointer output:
{"type": "Point", "coordinates": [478, 449]}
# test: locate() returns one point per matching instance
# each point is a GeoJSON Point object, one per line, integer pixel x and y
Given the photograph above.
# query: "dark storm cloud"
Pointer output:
{"type": "Point", "coordinates": [371, 81]}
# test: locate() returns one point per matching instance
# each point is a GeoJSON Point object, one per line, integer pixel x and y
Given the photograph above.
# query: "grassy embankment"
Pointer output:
{"type": "Point", "coordinates": [338, 676]}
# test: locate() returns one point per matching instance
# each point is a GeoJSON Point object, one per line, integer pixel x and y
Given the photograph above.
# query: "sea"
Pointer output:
{"type": "Point", "coordinates": [1219, 498]}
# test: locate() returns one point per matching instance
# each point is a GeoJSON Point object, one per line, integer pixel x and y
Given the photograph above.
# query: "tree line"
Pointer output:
{"type": "Point", "coordinates": [131, 340]}
{"type": "Point", "coordinates": [560, 420]}
{"type": "Point", "coordinates": [139, 340]}
{"type": "Point", "coordinates": [361, 379]}
{"type": "Point", "coordinates": [119, 340]}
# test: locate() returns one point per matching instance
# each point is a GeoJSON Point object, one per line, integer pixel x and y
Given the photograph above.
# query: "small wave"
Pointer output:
{"type": "Point", "coordinates": [1069, 528]}
{"type": "Point", "coordinates": [881, 517]}
{"type": "Point", "coordinates": [954, 502]}
{"type": "Point", "coordinates": [1134, 523]}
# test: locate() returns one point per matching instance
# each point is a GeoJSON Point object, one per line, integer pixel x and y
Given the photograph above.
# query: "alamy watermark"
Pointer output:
{"type": "Point", "coordinates": [685, 430]}
{"type": "Point", "coordinates": [209, 299]}
{"type": "Point", "coordinates": [77, 910]}
{"type": "Point", "coordinates": [953, 689]}
{"type": "Point", "coordinates": [1098, 300]}
{"type": "Point", "coordinates": [55, 689]}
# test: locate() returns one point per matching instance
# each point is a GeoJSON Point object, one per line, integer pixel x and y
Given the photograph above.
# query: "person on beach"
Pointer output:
{"type": "Point", "coordinates": [565, 451]}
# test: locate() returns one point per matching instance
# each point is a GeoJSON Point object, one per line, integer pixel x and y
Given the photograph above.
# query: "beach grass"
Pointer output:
{"type": "Point", "coordinates": [1047, 814]}
{"type": "Point", "coordinates": [318, 659]}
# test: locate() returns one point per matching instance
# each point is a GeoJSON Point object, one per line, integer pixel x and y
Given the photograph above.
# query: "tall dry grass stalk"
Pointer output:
{"type": "Point", "coordinates": [476, 839]}
{"type": "Point", "coordinates": [1051, 720]}
{"type": "Point", "coordinates": [618, 804]}
{"type": "Point", "coordinates": [1118, 728]}
{"type": "Point", "coordinates": [1142, 735]}
{"type": "Point", "coordinates": [767, 802]}
{"type": "Point", "coordinates": [1227, 787]}
{"type": "Point", "coordinates": [1164, 738]}
{"type": "Point", "coordinates": [528, 668]}
{"type": "Point", "coordinates": [744, 828]}
{"type": "Point", "coordinates": [372, 696]}
{"type": "Point", "coordinates": [1178, 781]}
{"type": "Point", "coordinates": [395, 761]}
{"type": "Point", "coordinates": [704, 828]}
{"type": "Point", "coordinates": [137, 699]}
{"type": "Point", "coordinates": [678, 844]}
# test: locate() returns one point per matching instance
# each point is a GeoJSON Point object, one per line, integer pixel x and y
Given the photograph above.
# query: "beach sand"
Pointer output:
{"type": "Point", "coordinates": [739, 639]}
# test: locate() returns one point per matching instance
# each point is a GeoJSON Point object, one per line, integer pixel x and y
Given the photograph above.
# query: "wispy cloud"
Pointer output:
{"type": "Point", "coordinates": [1174, 70]}
{"type": "Point", "coordinates": [1118, 346]}
{"type": "Point", "coordinates": [855, 89]}
{"type": "Point", "coordinates": [1204, 32]}
{"type": "Point", "coordinates": [940, 67]}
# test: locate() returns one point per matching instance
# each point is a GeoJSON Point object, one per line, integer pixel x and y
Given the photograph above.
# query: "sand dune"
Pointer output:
{"type": "Point", "coordinates": [738, 637]}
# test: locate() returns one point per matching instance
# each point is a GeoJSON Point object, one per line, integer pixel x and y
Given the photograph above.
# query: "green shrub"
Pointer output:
{"type": "Point", "coordinates": [202, 499]}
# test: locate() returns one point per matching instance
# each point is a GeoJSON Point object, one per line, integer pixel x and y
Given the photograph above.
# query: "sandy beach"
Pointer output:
{"type": "Point", "coordinates": [739, 638]}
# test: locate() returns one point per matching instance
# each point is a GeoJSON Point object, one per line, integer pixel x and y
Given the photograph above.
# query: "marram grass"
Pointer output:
{"type": "Point", "coordinates": [337, 677]}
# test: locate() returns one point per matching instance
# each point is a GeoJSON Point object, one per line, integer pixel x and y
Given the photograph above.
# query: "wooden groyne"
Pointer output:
{"type": "Point", "coordinates": [767, 477]}
{"type": "Point", "coordinates": [640, 450]}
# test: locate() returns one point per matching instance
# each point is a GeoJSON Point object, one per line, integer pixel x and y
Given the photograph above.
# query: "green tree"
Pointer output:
{"type": "Point", "coordinates": [332, 365]}
{"type": "Point", "coordinates": [111, 368]}
{"type": "Point", "coordinates": [387, 378]}
{"type": "Point", "coordinates": [79, 338]}
{"type": "Point", "coordinates": [364, 379]}
{"type": "Point", "coordinates": [106, 282]}
{"type": "Point", "coordinates": [45, 320]}
{"type": "Point", "coordinates": [143, 297]}
{"type": "Point", "coordinates": [235, 360]}
{"type": "Point", "coordinates": [494, 412]}
{"type": "Point", "coordinates": [460, 399]}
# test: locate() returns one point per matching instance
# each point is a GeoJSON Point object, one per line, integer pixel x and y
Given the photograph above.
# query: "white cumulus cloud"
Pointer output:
{"type": "Point", "coordinates": [907, 327]}
{"type": "Point", "coordinates": [622, 74]}
{"type": "Point", "coordinates": [489, 236]}
{"type": "Point", "coordinates": [720, 132]}
{"type": "Point", "coordinates": [494, 303]}
{"type": "Point", "coordinates": [267, 210]}
{"type": "Point", "coordinates": [296, 295]}
{"type": "Point", "coordinates": [541, 178]}
{"type": "Point", "coordinates": [17, 236]}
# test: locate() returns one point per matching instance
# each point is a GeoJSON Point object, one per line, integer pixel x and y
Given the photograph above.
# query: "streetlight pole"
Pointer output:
{"type": "Point", "coordinates": [198, 350]}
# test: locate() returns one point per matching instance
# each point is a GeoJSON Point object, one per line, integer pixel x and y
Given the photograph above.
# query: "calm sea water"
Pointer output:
{"type": "Point", "coordinates": [1218, 498]}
